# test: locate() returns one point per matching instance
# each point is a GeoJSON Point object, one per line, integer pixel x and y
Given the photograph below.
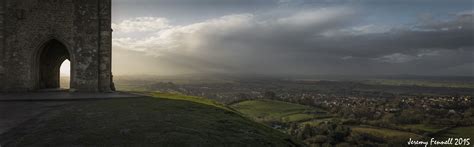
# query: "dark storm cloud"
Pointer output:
{"type": "Point", "coordinates": [323, 41]}
{"type": "Point", "coordinates": [187, 11]}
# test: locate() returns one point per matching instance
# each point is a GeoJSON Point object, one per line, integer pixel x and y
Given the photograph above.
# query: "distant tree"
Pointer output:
{"type": "Point", "coordinates": [171, 84]}
{"type": "Point", "coordinates": [409, 116]}
{"type": "Point", "coordinates": [344, 144]}
{"type": "Point", "coordinates": [306, 132]}
{"type": "Point", "coordinates": [243, 96]}
{"type": "Point", "coordinates": [327, 145]}
{"type": "Point", "coordinates": [318, 139]}
{"type": "Point", "coordinates": [340, 132]}
{"type": "Point", "coordinates": [293, 129]}
{"type": "Point", "coordinates": [469, 113]}
{"type": "Point", "coordinates": [269, 95]}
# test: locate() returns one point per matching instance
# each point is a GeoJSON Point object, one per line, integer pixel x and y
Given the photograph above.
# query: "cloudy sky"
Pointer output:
{"type": "Point", "coordinates": [293, 37]}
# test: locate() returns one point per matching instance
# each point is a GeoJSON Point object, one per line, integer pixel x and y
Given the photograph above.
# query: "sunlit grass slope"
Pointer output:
{"type": "Point", "coordinates": [165, 120]}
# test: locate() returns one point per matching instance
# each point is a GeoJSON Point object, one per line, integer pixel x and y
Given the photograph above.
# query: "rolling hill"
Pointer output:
{"type": "Point", "coordinates": [161, 120]}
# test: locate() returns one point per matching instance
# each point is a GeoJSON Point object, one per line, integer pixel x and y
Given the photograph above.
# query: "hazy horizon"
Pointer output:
{"type": "Point", "coordinates": [293, 37]}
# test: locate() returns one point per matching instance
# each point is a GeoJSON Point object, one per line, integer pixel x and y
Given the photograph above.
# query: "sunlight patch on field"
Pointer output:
{"type": "Point", "coordinates": [268, 110]}
{"type": "Point", "coordinates": [422, 127]}
{"type": "Point", "coordinates": [195, 99]}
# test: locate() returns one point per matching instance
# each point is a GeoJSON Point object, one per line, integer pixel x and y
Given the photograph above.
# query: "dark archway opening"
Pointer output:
{"type": "Point", "coordinates": [53, 54]}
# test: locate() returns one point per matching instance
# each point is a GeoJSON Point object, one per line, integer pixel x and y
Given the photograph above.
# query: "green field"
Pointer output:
{"type": "Point", "coordinates": [422, 127]}
{"type": "Point", "coordinates": [461, 132]}
{"type": "Point", "coordinates": [162, 120]}
{"type": "Point", "coordinates": [384, 133]}
{"type": "Point", "coordinates": [316, 122]}
{"type": "Point", "coordinates": [268, 110]}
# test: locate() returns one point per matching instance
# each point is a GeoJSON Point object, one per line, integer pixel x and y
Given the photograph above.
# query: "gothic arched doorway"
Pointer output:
{"type": "Point", "coordinates": [50, 58]}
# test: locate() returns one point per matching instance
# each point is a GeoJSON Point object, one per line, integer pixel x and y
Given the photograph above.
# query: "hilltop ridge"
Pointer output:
{"type": "Point", "coordinates": [164, 119]}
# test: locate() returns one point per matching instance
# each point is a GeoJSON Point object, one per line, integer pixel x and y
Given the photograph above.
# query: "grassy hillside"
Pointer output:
{"type": "Point", "coordinates": [465, 132]}
{"type": "Point", "coordinates": [165, 120]}
{"type": "Point", "coordinates": [268, 110]}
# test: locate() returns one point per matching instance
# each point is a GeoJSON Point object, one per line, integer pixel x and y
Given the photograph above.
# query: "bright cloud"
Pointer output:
{"type": "Point", "coordinates": [308, 41]}
{"type": "Point", "coordinates": [396, 58]}
{"type": "Point", "coordinates": [141, 24]}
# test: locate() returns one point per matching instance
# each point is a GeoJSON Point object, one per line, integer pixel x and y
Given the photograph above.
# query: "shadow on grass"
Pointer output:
{"type": "Point", "coordinates": [169, 121]}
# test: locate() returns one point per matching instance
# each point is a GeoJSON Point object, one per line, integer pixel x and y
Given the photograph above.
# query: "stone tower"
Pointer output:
{"type": "Point", "coordinates": [36, 36]}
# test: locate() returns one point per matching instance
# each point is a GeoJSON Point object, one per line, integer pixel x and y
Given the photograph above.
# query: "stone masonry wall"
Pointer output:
{"type": "Point", "coordinates": [83, 26]}
{"type": "Point", "coordinates": [105, 52]}
{"type": "Point", "coordinates": [2, 51]}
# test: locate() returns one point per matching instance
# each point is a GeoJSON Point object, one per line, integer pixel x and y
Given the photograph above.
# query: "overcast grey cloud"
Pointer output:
{"type": "Point", "coordinates": [334, 38]}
